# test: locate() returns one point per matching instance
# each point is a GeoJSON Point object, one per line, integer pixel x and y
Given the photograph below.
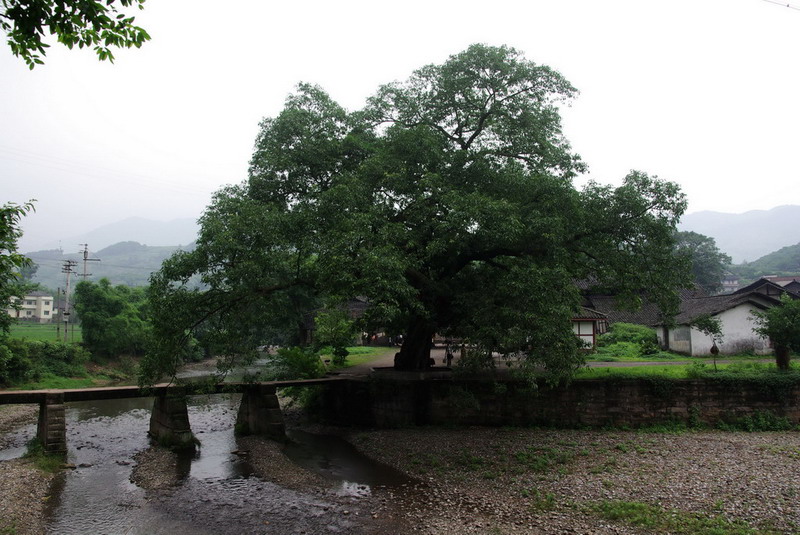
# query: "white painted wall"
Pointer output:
{"type": "Point", "coordinates": [737, 331]}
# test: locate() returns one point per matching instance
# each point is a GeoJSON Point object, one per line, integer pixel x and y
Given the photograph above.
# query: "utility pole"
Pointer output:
{"type": "Point", "coordinates": [67, 268]}
{"type": "Point", "coordinates": [86, 259]}
{"type": "Point", "coordinates": [58, 307]}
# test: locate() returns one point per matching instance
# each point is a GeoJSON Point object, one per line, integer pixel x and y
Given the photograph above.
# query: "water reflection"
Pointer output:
{"type": "Point", "coordinates": [337, 459]}
{"type": "Point", "coordinates": [215, 483]}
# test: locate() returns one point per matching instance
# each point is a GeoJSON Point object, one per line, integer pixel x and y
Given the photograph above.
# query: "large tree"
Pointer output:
{"type": "Point", "coordinates": [708, 262]}
{"type": "Point", "coordinates": [11, 261]}
{"type": "Point", "coordinates": [99, 24]}
{"type": "Point", "coordinates": [447, 201]}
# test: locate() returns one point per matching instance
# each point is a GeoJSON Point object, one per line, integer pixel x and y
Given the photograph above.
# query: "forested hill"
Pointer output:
{"type": "Point", "coordinates": [748, 236]}
{"type": "Point", "coordinates": [785, 261]}
{"type": "Point", "coordinates": [128, 263]}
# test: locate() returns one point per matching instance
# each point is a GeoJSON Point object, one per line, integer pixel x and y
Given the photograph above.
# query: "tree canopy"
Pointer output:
{"type": "Point", "coordinates": [11, 261]}
{"type": "Point", "coordinates": [113, 318]}
{"type": "Point", "coordinates": [86, 23]}
{"type": "Point", "coordinates": [447, 202]}
{"type": "Point", "coordinates": [781, 324]}
{"type": "Point", "coordinates": [708, 262]}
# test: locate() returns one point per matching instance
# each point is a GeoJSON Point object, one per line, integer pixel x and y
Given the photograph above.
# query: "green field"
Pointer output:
{"type": "Point", "coordinates": [48, 332]}
{"type": "Point", "coordinates": [361, 354]}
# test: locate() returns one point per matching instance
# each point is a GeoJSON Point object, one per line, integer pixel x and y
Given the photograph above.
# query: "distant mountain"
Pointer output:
{"type": "Point", "coordinates": [129, 263]}
{"type": "Point", "coordinates": [785, 261]}
{"type": "Point", "coordinates": [748, 236]}
{"type": "Point", "coordinates": [137, 229]}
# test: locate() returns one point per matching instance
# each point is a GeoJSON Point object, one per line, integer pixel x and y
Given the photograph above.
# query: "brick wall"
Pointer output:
{"type": "Point", "coordinates": [592, 403]}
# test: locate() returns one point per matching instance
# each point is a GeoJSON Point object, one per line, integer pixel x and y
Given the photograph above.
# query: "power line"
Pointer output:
{"type": "Point", "coordinates": [790, 6]}
{"type": "Point", "coordinates": [92, 170]}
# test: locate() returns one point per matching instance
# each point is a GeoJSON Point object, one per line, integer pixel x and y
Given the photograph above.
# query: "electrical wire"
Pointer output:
{"type": "Point", "coordinates": [777, 3]}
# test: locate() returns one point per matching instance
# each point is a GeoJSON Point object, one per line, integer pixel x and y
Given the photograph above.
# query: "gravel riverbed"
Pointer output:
{"type": "Point", "coordinates": [514, 481]}
{"type": "Point", "coordinates": [497, 481]}
{"type": "Point", "coordinates": [24, 489]}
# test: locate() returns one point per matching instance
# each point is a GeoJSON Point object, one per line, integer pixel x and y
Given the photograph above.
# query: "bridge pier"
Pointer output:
{"type": "Point", "coordinates": [260, 413]}
{"type": "Point", "coordinates": [52, 428]}
{"type": "Point", "coordinates": [169, 421]}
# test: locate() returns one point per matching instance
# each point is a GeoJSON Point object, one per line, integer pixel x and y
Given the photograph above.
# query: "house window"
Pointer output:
{"type": "Point", "coordinates": [584, 330]}
{"type": "Point", "coordinates": [30, 302]}
{"type": "Point", "coordinates": [47, 303]}
{"type": "Point", "coordinates": [46, 312]}
{"type": "Point", "coordinates": [29, 312]}
{"type": "Point", "coordinates": [681, 334]}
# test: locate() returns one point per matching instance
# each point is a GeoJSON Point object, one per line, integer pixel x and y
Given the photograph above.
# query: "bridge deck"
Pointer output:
{"type": "Point", "coordinates": [120, 392]}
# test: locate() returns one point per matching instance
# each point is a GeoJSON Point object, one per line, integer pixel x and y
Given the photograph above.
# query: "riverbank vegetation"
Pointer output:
{"type": "Point", "coordinates": [32, 364]}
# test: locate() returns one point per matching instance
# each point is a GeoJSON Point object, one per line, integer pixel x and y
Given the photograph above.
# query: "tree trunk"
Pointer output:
{"type": "Point", "coordinates": [415, 353]}
{"type": "Point", "coordinates": [782, 357]}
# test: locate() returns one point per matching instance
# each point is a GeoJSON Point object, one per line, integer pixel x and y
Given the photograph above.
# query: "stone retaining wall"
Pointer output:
{"type": "Point", "coordinates": [388, 402]}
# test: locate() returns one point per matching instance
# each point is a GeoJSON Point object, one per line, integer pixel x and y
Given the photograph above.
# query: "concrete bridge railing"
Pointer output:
{"type": "Point", "coordinates": [259, 412]}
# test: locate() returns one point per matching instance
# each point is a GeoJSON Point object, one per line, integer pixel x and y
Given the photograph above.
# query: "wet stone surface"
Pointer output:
{"type": "Point", "coordinates": [254, 506]}
{"type": "Point", "coordinates": [120, 484]}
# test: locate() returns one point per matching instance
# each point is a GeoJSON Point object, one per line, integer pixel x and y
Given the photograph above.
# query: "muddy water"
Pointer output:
{"type": "Point", "coordinates": [217, 492]}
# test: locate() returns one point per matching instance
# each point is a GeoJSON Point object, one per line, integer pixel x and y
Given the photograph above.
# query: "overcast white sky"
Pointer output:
{"type": "Point", "coordinates": [705, 93]}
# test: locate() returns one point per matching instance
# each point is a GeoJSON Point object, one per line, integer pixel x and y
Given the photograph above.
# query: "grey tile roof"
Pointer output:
{"type": "Point", "coordinates": [691, 309]}
{"type": "Point", "coordinates": [648, 314]}
{"type": "Point", "coordinates": [586, 313]}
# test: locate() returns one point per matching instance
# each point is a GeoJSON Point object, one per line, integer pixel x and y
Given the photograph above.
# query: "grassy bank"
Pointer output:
{"type": "Point", "coordinates": [361, 355]}
{"type": "Point", "coordinates": [694, 370]}
{"type": "Point", "coordinates": [45, 332]}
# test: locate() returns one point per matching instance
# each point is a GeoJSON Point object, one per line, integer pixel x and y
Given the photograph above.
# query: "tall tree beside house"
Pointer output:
{"type": "Point", "coordinates": [96, 24]}
{"type": "Point", "coordinates": [447, 202]}
{"type": "Point", "coordinates": [708, 262]}
{"type": "Point", "coordinates": [781, 324]}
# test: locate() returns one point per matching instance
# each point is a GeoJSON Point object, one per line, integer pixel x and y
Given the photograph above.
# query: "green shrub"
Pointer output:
{"type": "Point", "coordinates": [295, 363]}
{"type": "Point", "coordinates": [758, 421]}
{"type": "Point", "coordinates": [628, 340]}
{"type": "Point", "coordinates": [628, 332]}
{"type": "Point", "coordinates": [15, 366]}
{"type": "Point", "coordinates": [619, 350]}
{"type": "Point", "coordinates": [28, 360]}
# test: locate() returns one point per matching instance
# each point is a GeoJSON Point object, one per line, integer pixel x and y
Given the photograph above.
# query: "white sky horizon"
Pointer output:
{"type": "Point", "coordinates": [702, 93]}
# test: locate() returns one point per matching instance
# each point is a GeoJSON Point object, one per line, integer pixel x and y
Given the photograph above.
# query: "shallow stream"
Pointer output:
{"type": "Point", "coordinates": [217, 493]}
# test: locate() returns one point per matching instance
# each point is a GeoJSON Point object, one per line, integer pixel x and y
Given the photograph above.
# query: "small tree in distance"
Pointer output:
{"type": "Point", "coordinates": [712, 327]}
{"type": "Point", "coordinates": [781, 324]}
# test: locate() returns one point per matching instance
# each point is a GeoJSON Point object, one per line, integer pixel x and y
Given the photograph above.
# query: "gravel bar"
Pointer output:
{"type": "Point", "coordinates": [510, 481]}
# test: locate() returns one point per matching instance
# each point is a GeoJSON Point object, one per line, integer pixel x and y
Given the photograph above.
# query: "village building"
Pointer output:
{"type": "Point", "coordinates": [35, 307]}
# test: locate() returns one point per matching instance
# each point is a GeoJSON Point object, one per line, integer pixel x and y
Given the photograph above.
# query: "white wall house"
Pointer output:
{"type": "Point", "coordinates": [35, 307]}
{"type": "Point", "coordinates": [737, 334]}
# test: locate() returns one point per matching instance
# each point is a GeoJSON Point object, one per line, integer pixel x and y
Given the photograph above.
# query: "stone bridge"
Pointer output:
{"type": "Point", "coordinates": [259, 412]}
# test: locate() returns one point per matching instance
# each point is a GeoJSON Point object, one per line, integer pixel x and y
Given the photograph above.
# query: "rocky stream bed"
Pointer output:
{"type": "Point", "coordinates": [475, 480]}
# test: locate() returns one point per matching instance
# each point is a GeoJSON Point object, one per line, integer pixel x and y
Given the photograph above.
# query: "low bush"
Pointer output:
{"type": "Point", "coordinates": [629, 332]}
{"type": "Point", "coordinates": [628, 341]}
{"type": "Point", "coordinates": [758, 421]}
{"type": "Point", "coordinates": [618, 351]}
{"type": "Point", "coordinates": [29, 360]}
{"type": "Point", "coordinates": [295, 363]}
